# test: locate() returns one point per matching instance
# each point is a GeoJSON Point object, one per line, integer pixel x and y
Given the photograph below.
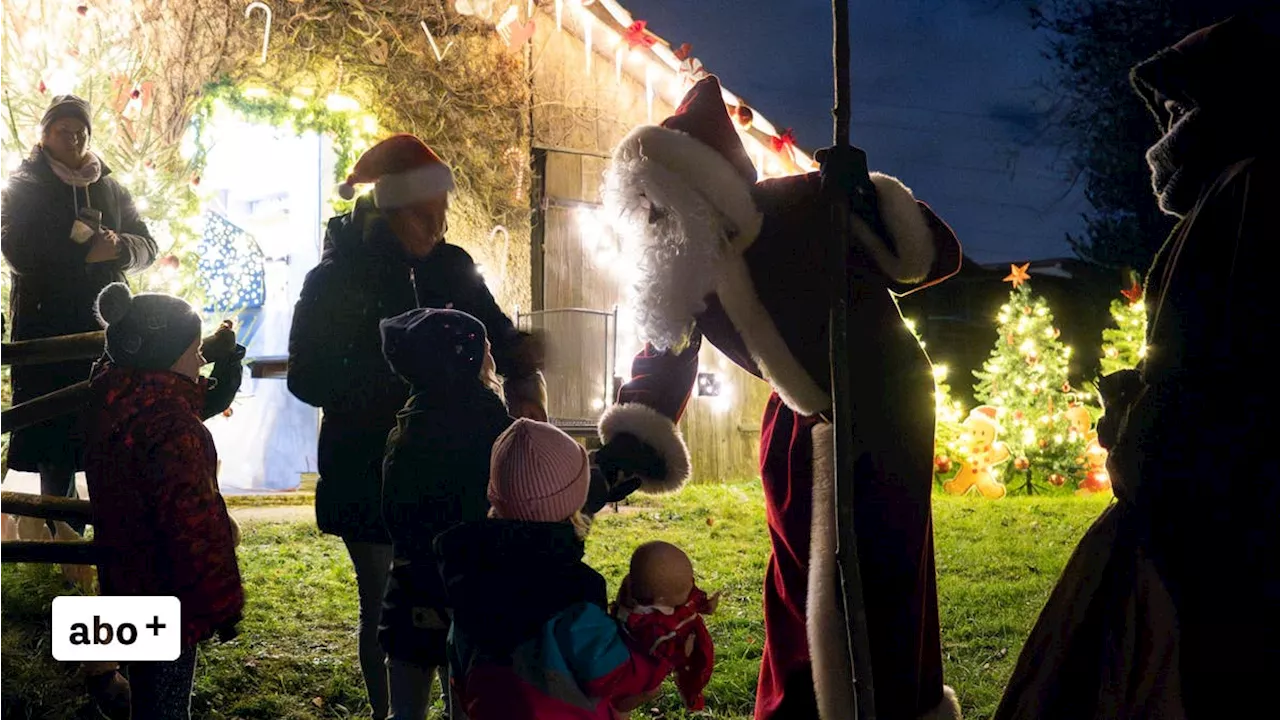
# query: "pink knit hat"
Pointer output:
{"type": "Point", "coordinates": [537, 473]}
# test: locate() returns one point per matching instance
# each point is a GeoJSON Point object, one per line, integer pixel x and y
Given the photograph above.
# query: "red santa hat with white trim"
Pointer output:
{"type": "Point", "coordinates": [403, 170]}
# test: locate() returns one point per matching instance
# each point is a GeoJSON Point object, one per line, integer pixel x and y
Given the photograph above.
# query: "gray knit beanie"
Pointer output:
{"type": "Point", "coordinates": [148, 331]}
{"type": "Point", "coordinates": [67, 106]}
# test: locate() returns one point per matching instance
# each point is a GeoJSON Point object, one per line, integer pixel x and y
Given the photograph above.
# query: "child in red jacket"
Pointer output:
{"type": "Point", "coordinates": [150, 465]}
{"type": "Point", "coordinates": [662, 609]}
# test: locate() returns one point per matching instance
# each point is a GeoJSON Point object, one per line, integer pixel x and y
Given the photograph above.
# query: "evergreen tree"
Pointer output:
{"type": "Point", "coordinates": [90, 50]}
{"type": "Point", "coordinates": [1026, 378]}
{"type": "Point", "coordinates": [1124, 345]}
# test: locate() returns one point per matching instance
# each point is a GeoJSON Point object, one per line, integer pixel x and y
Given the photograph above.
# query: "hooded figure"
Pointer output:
{"type": "Point", "coordinates": [1167, 608]}
{"type": "Point", "coordinates": [723, 257]}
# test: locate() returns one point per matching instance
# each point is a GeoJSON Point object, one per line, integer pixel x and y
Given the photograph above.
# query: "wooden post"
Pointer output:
{"type": "Point", "coordinates": [76, 552]}
{"type": "Point", "coordinates": [848, 160]}
{"type": "Point", "coordinates": [80, 346]}
{"type": "Point", "coordinates": [46, 507]}
{"type": "Point", "coordinates": [46, 407]}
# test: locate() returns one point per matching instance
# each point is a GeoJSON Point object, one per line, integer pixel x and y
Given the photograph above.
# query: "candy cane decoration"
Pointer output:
{"type": "Point", "coordinates": [506, 247]}
{"type": "Point", "coordinates": [266, 35]}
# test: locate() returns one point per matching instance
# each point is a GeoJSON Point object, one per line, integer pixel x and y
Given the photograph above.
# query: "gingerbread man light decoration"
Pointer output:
{"type": "Point", "coordinates": [979, 453]}
{"type": "Point", "coordinates": [1096, 479]}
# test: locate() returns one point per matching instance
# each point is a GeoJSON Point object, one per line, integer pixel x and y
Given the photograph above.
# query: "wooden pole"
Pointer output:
{"type": "Point", "coordinates": [46, 507]}
{"type": "Point", "coordinates": [75, 552]}
{"type": "Point", "coordinates": [850, 161]}
{"type": "Point", "coordinates": [80, 346]}
{"type": "Point", "coordinates": [46, 407]}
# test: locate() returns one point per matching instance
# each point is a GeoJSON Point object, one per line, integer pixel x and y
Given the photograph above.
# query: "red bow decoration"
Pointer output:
{"type": "Point", "coordinates": [684, 51]}
{"type": "Point", "coordinates": [636, 36]}
{"type": "Point", "coordinates": [785, 141]}
{"type": "Point", "coordinates": [1133, 294]}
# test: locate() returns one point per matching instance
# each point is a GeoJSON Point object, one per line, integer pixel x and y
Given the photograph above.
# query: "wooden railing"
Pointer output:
{"type": "Point", "coordinates": [81, 346]}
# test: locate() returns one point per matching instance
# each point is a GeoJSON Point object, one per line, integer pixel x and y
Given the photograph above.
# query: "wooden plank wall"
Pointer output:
{"type": "Point", "coordinates": [578, 118]}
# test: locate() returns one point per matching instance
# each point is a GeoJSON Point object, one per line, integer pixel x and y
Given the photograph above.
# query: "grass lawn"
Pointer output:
{"type": "Point", "coordinates": [295, 657]}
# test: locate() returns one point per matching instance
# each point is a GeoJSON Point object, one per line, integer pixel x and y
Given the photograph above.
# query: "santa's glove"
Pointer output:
{"type": "Point", "coordinates": [620, 467]}
{"type": "Point", "coordinates": [844, 172]}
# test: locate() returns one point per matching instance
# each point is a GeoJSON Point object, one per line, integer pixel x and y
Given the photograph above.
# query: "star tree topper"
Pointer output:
{"type": "Point", "coordinates": [1018, 274]}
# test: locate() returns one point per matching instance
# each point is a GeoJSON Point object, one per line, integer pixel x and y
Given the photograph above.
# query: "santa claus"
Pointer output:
{"type": "Point", "coordinates": [742, 264]}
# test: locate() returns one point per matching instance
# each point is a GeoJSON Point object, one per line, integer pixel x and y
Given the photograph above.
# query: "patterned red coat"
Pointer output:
{"type": "Point", "coordinates": [151, 467]}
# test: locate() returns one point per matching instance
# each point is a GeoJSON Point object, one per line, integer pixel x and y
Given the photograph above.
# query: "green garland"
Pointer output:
{"type": "Point", "coordinates": [348, 131]}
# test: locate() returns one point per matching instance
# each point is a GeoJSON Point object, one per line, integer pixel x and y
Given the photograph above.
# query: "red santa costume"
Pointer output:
{"type": "Point", "coordinates": [743, 264]}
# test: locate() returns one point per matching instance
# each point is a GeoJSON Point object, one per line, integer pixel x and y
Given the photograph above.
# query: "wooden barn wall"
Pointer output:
{"type": "Point", "coordinates": [577, 120]}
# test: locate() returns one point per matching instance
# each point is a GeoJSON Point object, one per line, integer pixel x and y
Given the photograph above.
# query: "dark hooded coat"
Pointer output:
{"type": "Point", "coordinates": [1167, 609]}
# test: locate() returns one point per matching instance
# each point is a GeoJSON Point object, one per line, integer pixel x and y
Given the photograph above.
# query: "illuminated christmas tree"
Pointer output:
{"type": "Point", "coordinates": [91, 50]}
{"type": "Point", "coordinates": [1026, 379]}
{"type": "Point", "coordinates": [1124, 345]}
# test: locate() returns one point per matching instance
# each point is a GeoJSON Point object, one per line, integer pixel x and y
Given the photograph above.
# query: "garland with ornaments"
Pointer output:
{"type": "Point", "coordinates": [608, 31]}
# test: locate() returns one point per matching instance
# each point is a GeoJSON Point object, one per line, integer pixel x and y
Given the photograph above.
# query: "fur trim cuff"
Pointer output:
{"type": "Point", "coordinates": [412, 186]}
{"type": "Point", "coordinates": [948, 709]}
{"type": "Point", "coordinates": [656, 431]}
{"type": "Point", "coordinates": [702, 168]}
{"type": "Point", "coordinates": [908, 227]}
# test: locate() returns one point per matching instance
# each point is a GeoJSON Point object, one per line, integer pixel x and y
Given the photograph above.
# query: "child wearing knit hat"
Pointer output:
{"type": "Point", "coordinates": [434, 476]}
{"type": "Point", "coordinates": [151, 467]}
{"type": "Point", "coordinates": [531, 635]}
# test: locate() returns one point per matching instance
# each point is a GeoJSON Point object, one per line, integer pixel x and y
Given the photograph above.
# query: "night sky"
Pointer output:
{"type": "Point", "coordinates": [951, 97]}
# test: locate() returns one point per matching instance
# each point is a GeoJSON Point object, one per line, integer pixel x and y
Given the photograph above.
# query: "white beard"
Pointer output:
{"type": "Point", "coordinates": [675, 239]}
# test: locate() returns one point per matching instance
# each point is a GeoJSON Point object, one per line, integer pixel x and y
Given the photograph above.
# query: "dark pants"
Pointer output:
{"type": "Point", "coordinates": [162, 690]}
{"type": "Point", "coordinates": [372, 562]}
{"type": "Point", "coordinates": [59, 480]}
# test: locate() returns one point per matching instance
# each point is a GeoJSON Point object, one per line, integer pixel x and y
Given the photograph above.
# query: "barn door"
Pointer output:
{"type": "Point", "coordinates": [576, 286]}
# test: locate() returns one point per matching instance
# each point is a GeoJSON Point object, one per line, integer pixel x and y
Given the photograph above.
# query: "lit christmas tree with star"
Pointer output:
{"type": "Point", "coordinates": [1026, 379]}
{"type": "Point", "coordinates": [1124, 345]}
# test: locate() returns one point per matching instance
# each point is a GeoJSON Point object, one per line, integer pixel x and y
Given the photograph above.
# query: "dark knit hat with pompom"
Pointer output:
{"type": "Point", "coordinates": [430, 347]}
{"type": "Point", "coordinates": [148, 331]}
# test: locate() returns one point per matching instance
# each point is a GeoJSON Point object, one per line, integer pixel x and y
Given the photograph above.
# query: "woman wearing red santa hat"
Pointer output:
{"type": "Point", "coordinates": [385, 257]}
{"type": "Point", "coordinates": [732, 260]}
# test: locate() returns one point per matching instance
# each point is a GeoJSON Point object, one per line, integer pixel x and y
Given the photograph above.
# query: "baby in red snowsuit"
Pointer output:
{"type": "Point", "coordinates": [661, 609]}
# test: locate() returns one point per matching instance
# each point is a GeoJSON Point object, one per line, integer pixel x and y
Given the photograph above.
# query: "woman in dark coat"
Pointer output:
{"type": "Point", "coordinates": [1167, 609]}
{"type": "Point", "coordinates": [382, 259]}
{"type": "Point", "coordinates": [68, 230]}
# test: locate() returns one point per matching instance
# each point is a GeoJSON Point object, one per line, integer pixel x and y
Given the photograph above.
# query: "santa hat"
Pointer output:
{"type": "Point", "coordinates": [700, 148]}
{"type": "Point", "coordinates": [985, 415]}
{"type": "Point", "coordinates": [403, 170]}
{"type": "Point", "coordinates": [704, 116]}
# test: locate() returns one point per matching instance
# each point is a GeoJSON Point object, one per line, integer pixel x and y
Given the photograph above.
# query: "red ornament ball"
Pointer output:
{"type": "Point", "coordinates": [1022, 463]}
{"type": "Point", "coordinates": [195, 180]}
{"type": "Point", "coordinates": [135, 94]}
{"type": "Point", "coordinates": [745, 117]}
{"type": "Point", "coordinates": [1056, 480]}
{"type": "Point", "coordinates": [1066, 387]}
{"type": "Point", "coordinates": [42, 88]}
{"type": "Point", "coordinates": [82, 10]}
{"type": "Point", "coordinates": [1043, 443]}
{"type": "Point", "coordinates": [169, 262]}
{"type": "Point", "coordinates": [226, 413]}
{"type": "Point", "coordinates": [942, 463]}
{"type": "Point", "coordinates": [1018, 415]}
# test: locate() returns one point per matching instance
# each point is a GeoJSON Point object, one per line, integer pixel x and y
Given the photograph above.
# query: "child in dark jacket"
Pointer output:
{"type": "Point", "coordinates": [531, 637]}
{"type": "Point", "coordinates": [151, 465]}
{"type": "Point", "coordinates": [434, 476]}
